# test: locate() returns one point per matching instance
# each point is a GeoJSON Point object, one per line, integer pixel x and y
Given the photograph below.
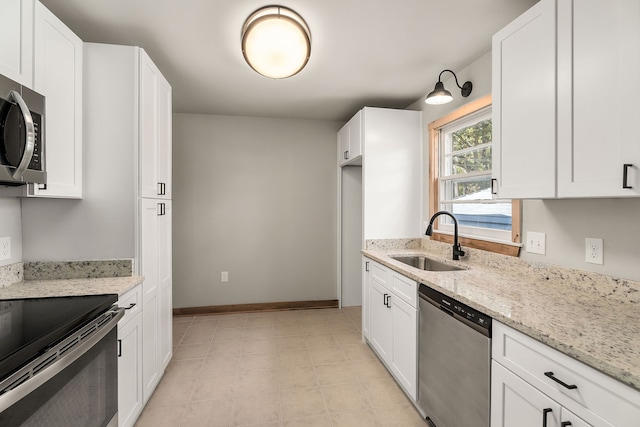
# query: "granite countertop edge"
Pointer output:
{"type": "Point", "coordinates": [70, 287]}
{"type": "Point", "coordinates": [597, 343]}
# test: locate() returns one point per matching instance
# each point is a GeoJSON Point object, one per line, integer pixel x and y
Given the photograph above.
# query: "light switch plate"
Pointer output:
{"type": "Point", "coordinates": [536, 242]}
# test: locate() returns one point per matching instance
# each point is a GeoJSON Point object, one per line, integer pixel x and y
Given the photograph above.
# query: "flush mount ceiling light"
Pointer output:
{"type": "Point", "coordinates": [441, 96]}
{"type": "Point", "coordinates": [276, 42]}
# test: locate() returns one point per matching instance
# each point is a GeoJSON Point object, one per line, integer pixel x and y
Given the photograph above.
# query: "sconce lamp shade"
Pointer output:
{"type": "Point", "coordinates": [276, 42]}
{"type": "Point", "coordinates": [440, 95]}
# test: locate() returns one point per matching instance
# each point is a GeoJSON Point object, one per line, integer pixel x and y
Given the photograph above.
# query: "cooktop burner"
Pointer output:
{"type": "Point", "coordinates": [29, 326]}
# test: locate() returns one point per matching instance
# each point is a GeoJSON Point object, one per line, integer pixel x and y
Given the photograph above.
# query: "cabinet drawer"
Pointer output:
{"type": "Point", "coordinates": [405, 288]}
{"type": "Point", "coordinates": [380, 273]}
{"type": "Point", "coordinates": [132, 302]}
{"type": "Point", "coordinates": [595, 394]}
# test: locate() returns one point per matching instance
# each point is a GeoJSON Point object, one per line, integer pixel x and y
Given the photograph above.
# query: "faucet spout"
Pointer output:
{"type": "Point", "coordinates": [457, 249]}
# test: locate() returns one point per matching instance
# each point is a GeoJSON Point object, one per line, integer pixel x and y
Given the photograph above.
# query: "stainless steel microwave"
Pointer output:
{"type": "Point", "coordinates": [21, 134]}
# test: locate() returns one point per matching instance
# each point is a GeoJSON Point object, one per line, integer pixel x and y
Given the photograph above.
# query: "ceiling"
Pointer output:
{"type": "Point", "coordinates": [364, 52]}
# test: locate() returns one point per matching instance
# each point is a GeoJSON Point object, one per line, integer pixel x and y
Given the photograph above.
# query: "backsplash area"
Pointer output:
{"type": "Point", "coordinates": [10, 274]}
{"type": "Point", "coordinates": [53, 270]}
{"type": "Point", "coordinates": [606, 286]}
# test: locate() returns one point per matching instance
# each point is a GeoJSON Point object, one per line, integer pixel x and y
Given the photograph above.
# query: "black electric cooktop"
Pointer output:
{"type": "Point", "coordinates": [29, 326]}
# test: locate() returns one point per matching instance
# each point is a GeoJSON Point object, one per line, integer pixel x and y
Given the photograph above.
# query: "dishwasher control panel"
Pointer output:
{"type": "Point", "coordinates": [456, 308]}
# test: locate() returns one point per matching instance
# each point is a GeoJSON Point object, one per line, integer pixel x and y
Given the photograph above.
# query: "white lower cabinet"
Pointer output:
{"type": "Point", "coordinates": [535, 385]}
{"type": "Point", "coordinates": [130, 399]}
{"type": "Point", "coordinates": [391, 322]}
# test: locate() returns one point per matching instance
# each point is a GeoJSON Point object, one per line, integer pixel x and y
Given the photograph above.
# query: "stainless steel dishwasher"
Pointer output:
{"type": "Point", "coordinates": [454, 362]}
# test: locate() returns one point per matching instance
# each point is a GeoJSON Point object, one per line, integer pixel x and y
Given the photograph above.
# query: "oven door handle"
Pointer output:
{"type": "Point", "coordinates": [39, 378]}
{"type": "Point", "coordinates": [31, 134]}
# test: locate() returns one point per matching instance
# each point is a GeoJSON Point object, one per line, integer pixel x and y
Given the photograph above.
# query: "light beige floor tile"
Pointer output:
{"type": "Point", "coordinates": [259, 345]}
{"type": "Point", "coordinates": [367, 370]}
{"type": "Point", "coordinates": [383, 393]}
{"type": "Point", "coordinates": [297, 376]}
{"type": "Point", "coordinates": [321, 340]}
{"type": "Point", "coordinates": [400, 416]}
{"type": "Point", "coordinates": [319, 421]}
{"type": "Point", "coordinates": [197, 336]}
{"type": "Point", "coordinates": [325, 355]}
{"type": "Point", "coordinates": [358, 352]}
{"type": "Point", "coordinates": [345, 398]}
{"type": "Point", "coordinates": [220, 365]}
{"type": "Point", "coordinates": [162, 416]}
{"type": "Point", "coordinates": [172, 391]}
{"type": "Point", "coordinates": [260, 320]}
{"type": "Point", "coordinates": [259, 333]}
{"type": "Point", "coordinates": [257, 361]}
{"type": "Point", "coordinates": [232, 322]}
{"type": "Point", "coordinates": [290, 342]}
{"type": "Point", "coordinates": [341, 326]}
{"type": "Point", "coordinates": [291, 358]}
{"type": "Point", "coordinates": [301, 402]}
{"type": "Point", "coordinates": [184, 319]}
{"type": "Point", "coordinates": [254, 409]}
{"type": "Point", "coordinates": [257, 381]}
{"type": "Point", "coordinates": [226, 334]}
{"type": "Point", "coordinates": [215, 387]}
{"type": "Point", "coordinates": [188, 368]}
{"type": "Point", "coordinates": [208, 413]}
{"type": "Point", "coordinates": [316, 328]}
{"type": "Point", "coordinates": [221, 347]}
{"type": "Point", "coordinates": [336, 373]}
{"type": "Point", "coordinates": [348, 337]}
{"type": "Point", "coordinates": [196, 351]}
{"type": "Point", "coordinates": [287, 329]}
{"type": "Point", "coordinates": [365, 418]}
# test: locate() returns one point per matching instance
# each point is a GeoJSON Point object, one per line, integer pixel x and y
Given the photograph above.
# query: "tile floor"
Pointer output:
{"type": "Point", "coordinates": [287, 368]}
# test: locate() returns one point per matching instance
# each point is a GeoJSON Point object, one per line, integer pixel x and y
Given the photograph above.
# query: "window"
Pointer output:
{"type": "Point", "coordinates": [460, 182]}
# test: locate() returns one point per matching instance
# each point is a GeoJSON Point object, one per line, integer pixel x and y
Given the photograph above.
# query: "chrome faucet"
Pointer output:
{"type": "Point", "coordinates": [457, 250]}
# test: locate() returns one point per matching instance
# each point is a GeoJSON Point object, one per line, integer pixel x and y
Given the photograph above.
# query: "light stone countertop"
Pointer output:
{"type": "Point", "coordinates": [592, 318]}
{"type": "Point", "coordinates": [70, 287]}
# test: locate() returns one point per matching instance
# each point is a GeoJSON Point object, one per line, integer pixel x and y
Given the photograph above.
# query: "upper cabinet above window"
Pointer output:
{"type": "Point", "coordinates": [16, 40]}
{"type": "Point", "coordinates": [565, 101]}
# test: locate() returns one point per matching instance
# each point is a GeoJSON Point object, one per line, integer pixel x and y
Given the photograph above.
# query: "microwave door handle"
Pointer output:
{"type": "Point", "coordinates": [30, 143]}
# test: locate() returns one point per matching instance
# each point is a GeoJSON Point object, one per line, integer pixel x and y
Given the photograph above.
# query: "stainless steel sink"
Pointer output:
{"type": "Point", "coordinates": [424, 263]}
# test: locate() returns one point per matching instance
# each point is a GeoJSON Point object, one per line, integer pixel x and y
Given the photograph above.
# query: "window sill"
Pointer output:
{"type": "Point", "coordinates": [509, 249]}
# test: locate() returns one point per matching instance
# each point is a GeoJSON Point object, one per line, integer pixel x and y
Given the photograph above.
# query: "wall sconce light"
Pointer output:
{"type": "Point", "coordinates": [276, 42]}
{"type": "Point", "coordinates": [441, 96]}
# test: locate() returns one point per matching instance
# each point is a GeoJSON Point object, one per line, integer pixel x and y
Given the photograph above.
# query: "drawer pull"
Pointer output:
{"type": "Point", "coordinates": [565, 424]}
{"type": "Point", "coordinates": [563, 384]}
{"type": "Point", "coordinates": [625, 169]}
{"type": "Point", "coordinates": [133, 304]}
{"type": "Point", "coordinates": [545, 412]}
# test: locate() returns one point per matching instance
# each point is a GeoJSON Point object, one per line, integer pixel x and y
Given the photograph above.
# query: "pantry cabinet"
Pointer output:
{"type": "Point", "coordinates": [16, 40]}
{"type": "Point", "coordinates": [531, 382]}
{"type": "Point", "coordinates": [563, 109]}
{"type": "Point", "coordinates": [390, 322]}
{"type": "Point", "coordinates": [58, 76]}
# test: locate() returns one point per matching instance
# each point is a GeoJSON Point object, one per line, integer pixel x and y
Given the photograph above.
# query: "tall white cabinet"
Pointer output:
{"type": "Point", "coordinates": [381, 199]}
{"type": "Point", "coordinates": [129, 140]}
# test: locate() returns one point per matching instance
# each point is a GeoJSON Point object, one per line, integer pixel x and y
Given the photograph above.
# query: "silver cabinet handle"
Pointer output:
{"type": "Point", "coordinates": [346, 155]}
{"type": "Point", "coordinates": [31, 134]}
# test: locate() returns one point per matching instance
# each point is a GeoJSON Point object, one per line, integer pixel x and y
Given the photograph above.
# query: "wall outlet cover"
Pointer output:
{"type": "Point", "coordinates": [594, 250]}
{"type": "Point", "coordinates": [536, 243]}
{"type": "Point", "coordinates": [5, 248]}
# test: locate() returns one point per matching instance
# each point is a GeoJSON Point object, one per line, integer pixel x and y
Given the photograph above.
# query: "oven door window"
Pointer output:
{"type": "Point", "coordinates": [85, 393]}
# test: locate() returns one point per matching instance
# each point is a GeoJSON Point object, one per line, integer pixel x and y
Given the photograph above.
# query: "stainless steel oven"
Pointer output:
{"type": "Point", "coordinates": [58, 361]}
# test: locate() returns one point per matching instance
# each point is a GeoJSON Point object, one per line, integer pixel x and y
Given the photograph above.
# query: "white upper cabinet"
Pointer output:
{"type": "Point", "coordinates": [524, 105]}
{"type": "Point", "coordinates": [565, 101]}
{"type": "Point", "coordinates": [58, 76]}
{"type": "Point", "coordinates": [598, 92]}
{"type": "Point", "coordinates": [16, 40]}
{"type": "Point", "coordinates": [350, 141]}
{"type": "Point", "coordinates": [155, 131]}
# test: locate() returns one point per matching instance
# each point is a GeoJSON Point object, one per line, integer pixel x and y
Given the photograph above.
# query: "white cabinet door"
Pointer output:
{"type": "Point", "coordinates": [366, 297]}
{"type": "Point", "coordinates": [524, 104]}
{"type": "Point", "coordinates": [514, 403]}
{"type": "Point", "coordinates": [404, 348]}
{"type": "Point", "coordinates": [155, 131]}
{"type": "Point", "coordinates": [151, 364]}
{"type": "Point", "coordinates": [381, 320]}
{"type": "Point", "coordinates": [350, 140]}
{"type": "Point", "coordinates": [165, 283]}
{"type": "Point", "coordinates": [569, 419]}
{"type": "Point", "coordinates": [58, 76]}
{"type": "Point", "coordinates": [130, 371]}
{"type": "Point", "coordinates": [599, 52]}
{"type": "Point", "coordinates": [16, 40]}
{"type": "Point", "coordinates": [343, 144]}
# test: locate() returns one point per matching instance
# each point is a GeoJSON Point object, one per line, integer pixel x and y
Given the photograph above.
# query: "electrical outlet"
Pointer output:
{"type": "Point", "coordinates": [5, 248]}
{"type": "Point", "coordinates": [536, 243]}
{"type": "Point", "coordinates": [224, 276]}
{"type": "Point", "coordinates": [594, 250]}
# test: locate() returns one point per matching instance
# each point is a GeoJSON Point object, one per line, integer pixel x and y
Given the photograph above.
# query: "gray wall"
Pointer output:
{"type": "Point", "coordinates": [255, 197]}
{"type": "Point", "coordinates": [565, 222]}
{"type": "Point", "coordinates": [11, 226]}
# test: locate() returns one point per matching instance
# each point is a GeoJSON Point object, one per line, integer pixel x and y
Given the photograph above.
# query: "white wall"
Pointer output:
{"type": "Point", "coordinates": [255, 197]}
{"type": "Point", "coordinates": [565, 222]}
